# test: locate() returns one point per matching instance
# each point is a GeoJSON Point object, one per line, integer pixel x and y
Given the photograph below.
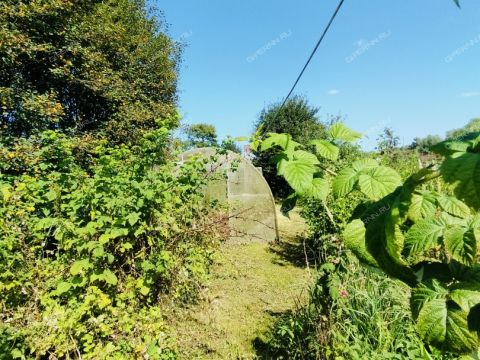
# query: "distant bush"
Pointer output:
{"type": "Point", "coordinates": [87, 251]}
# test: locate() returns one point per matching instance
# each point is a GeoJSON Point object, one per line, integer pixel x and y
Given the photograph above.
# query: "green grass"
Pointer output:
{"type": "Point", "coordinates": [251, 285]}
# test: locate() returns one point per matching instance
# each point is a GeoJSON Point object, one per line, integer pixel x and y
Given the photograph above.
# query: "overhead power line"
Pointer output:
{"type": "Point", "coordinates": [313, 52]}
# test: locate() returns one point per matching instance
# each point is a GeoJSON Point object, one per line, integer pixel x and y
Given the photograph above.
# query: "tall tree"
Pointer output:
{"type": "Point", "coordinates": [83, 66]}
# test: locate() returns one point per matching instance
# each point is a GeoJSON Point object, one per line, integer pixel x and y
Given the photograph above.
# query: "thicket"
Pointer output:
{"type": "Point", "coordinates": [87, 252]}
{"type": "Point", "coordinates": [422, 230]}
{"type": "Point", "coordinates": [99, 224]}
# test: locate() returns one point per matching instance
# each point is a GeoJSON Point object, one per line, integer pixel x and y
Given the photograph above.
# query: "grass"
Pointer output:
{"type": "Point", "coordinates": [251, 286]}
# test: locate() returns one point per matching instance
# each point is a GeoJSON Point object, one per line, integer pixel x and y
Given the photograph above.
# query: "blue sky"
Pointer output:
{"type": "Point", "coordinates": [412, 65]}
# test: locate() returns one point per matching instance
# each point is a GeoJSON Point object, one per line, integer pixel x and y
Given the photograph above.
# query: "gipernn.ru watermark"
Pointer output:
{"type": "Point", "coordinates": [364, 46]}
{"type": "Point", "coordinates": [465, 47]}
{"type": "Point", "coordinates": [284, 35]}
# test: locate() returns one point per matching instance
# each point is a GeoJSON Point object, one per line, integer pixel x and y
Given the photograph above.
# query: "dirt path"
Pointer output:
{"type": "Point", "coordinates": [251, 285]}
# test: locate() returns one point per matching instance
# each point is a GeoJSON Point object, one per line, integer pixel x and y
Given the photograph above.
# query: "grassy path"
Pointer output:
{"type": "Point", "coordinates": [251, 285]}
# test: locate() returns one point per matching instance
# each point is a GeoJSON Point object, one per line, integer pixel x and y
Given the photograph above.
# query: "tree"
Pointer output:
{"type": "Point", "coordinates": [472, 126]}
{"type": "Point", "coordinates": [387, 141]}
{"type": "Point", "coordinates": [201, 135]}
{"type": "Point", "coordinates": [85, 66]}
{"type": "Point", "coordinates": [423, 145]}
{"type": "Point", "coordinates": [230, 145]}
{"type": "Point", "coordinates": [297, 118]}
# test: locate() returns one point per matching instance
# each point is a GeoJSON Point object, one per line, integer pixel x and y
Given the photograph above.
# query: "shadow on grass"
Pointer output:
{"type": "Point", "coordinates": [264, 348]}
{"type": "Point", "coordinates": [290, 252]}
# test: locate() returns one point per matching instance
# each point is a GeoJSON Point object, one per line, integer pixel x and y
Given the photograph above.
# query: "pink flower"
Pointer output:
{"type": "Point", "coordinates": [344, 293]}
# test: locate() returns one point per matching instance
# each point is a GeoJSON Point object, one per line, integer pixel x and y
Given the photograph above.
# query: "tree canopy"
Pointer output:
{"type": "Point", "coordinates": [297, 118]}
{"type": "Point", "coordinates": [201, 135]}
{"type": "Point", "coordinates": [85, 66]}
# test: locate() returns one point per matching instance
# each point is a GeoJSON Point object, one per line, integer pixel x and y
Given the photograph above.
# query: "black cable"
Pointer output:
{"type": "Point", "coordinates": [313, 53]}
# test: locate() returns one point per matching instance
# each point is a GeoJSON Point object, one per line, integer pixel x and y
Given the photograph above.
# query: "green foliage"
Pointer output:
{"type": "Point", "coordinates": [85, 66]}
{"type": "Point", "coordinates": [423, 145]}
{"type": "Point", "coordinates": [387, 141]}
{"type": "Point", "coordinates": [297, 118]}
{"type": "Point", "coordinates": [230, 144]}
{"type": "Point", "coordinates": [369, 319]}
{"type": "Point", "coordinates": [201, 135]}
{"type": "Point", "coordinates": [305, 172]}
{"type": "Point", "coordinates": [427, 239]}
{"type": "Point", "coordinates": [435, 237]}
{"type": "Point", "coordinates": [374, 181]}
{"type": "Point", "coordinates": [86, 253]}
{"type": "Point", "coordinates": [472, 126]}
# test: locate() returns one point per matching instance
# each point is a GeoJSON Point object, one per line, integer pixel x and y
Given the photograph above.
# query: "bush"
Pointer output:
{"type": "Point", "coordinates": [367, 317]}
{"type": "Point", "coordinates": [87, 252]}
{"type": "Point", "coordinates": [85, 66]}
{"type": "Point", "coordinates": [297, 118]}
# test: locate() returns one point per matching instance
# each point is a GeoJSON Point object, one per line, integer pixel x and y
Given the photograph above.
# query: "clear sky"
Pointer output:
{"type": "Point", "coordinates": [413, 65]}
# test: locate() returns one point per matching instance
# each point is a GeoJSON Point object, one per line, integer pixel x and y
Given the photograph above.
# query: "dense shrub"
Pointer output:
{"type": "Point", "coordinates": [85, 66]}
{"type": "Point", "coordinates": [368, 318]}
{"type": "Point", "coordinates": [411, 229]}
{"type": "Point", "coordinates": [298, 118]}
{"type": "Point", "coordinates": [87, 252]}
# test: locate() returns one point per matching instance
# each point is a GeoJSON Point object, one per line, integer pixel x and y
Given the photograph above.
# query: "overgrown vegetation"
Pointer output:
{"type": "Point", "coordinates": [297, 118]}
{"type": "Point", "coordinates": [87, 252]}
{"type": "Point", "coordinates": [414, 230]}
{"type": "Point", "coordinates": [85, 66]}
{"type": "Point", "coordinates": [98, 222]}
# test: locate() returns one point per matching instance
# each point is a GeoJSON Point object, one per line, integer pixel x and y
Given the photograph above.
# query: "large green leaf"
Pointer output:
{"type": "Point", "coordinates": [306, 157]}
{"type": "Point", "coordinates": [423, 206]}
{"type": "Point", "coordinates": [462, 144]}
{"type": "Point", "coordinates": [432, 321]}
{"type": "Point", "coordinates": [299, 175]}
{"type": "Point", "coordinates": [440, 322]}
{"type": "Point", "coordinates": [364, 164]}
{"type": "Point", "coordinates": [423, 236]}
{"type": "Point", "coordinates": [395, 242]}
{"type": "Point", "coordinates": [355, 241]}
{"type": "Point", "coordinates": [459, 338]}
{"type": "Point", "coordinates": [339, 131]}
{"type": "Point", "coordinates": [460, 244]}
{"type": "Point", "coordinates": [320, 189]}
{"type": "Point", "coordinates": [326, 149]}
{"type": "Point", "coordinates": [284, 141]}
{"type": "Point", "coordinates": [424, 293]}
{"type": "Point", "coordinates": [466, 298]}
{"type": "Point", "coordinates": [378, 182]}
{"type": "Point", "coordinates": [454, 206]}
{"type": "Point", "coordinates": [345, 182]}
{"type": "Point", "coordinates": [462, 170]}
